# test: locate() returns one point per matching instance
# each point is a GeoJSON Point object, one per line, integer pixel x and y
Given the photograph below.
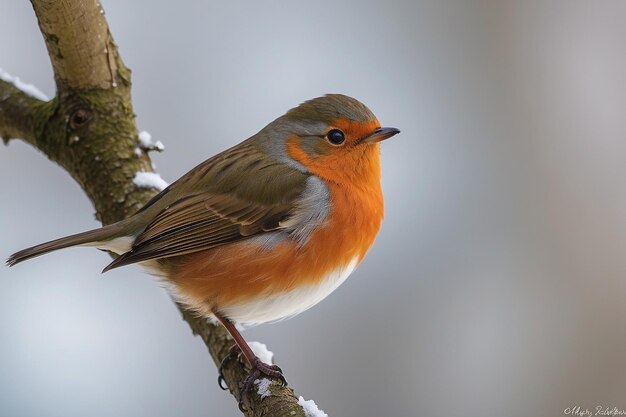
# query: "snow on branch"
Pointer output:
{"type": "Point", "coordinates": [150, 180]}
{"type": "Point", "coordinates": [146, 142]}
{"type": "Point", "coordinates": [310, 408]}
{"type": "Point", "coordinates": [29, 89]}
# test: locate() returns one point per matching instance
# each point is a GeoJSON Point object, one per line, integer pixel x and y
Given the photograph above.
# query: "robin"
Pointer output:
{"type": "Point", "coordinates": [265, 229]}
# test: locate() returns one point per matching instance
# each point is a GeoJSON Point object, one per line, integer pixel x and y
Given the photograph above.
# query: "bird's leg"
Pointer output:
{"type": "Point", "coordinates": [257, 367]}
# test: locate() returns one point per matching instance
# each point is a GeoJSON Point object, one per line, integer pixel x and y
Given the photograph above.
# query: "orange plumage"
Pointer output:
{"type": "Point", "coordinates": [234, 273]}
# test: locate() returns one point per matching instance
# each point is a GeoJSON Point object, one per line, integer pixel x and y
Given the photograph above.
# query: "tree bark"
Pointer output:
{"type": "Point", "coordinates": [89, 129]}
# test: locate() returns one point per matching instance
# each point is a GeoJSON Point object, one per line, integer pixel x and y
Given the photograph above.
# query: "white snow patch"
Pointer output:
{"type": "Point", "coordinates": [29, 89]}
{"type": "Point", "coordinates": [145, 139]}
{"type": "Point", "coordinates": [261, 350]}
{"type": "Point", "coordinates": [149, 180]}
{"type": "Point", "coordinates": [310, 408]}
{"type": "Point", "coordinates": [264, 387]}
{"type": "Point", "coordinates": [138, 151]}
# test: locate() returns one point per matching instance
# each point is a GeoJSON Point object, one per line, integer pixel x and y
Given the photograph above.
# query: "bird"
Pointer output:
{"type": "Point", "coordinates": [264, 230]}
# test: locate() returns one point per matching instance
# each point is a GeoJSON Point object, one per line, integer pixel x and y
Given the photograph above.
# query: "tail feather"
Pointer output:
{"type": "Point", "coordinates": [91, 238]}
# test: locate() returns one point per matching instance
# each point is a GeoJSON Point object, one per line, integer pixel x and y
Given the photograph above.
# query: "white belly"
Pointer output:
{"type": "Point", "coordinates": [287, 304]}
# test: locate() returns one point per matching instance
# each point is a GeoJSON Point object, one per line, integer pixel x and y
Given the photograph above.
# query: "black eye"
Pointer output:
{"type": "Point", "coordinates": [336, 137]}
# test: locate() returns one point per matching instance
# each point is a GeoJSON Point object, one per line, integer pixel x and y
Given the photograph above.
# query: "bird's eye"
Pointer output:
{"type": "Point", "coordinates": [336, 137]}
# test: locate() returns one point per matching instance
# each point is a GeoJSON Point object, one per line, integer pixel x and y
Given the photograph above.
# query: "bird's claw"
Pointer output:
{"type": "Point", "coordinates": [233, 353]}
{"type": "Point", "coordinates": [259, 369]}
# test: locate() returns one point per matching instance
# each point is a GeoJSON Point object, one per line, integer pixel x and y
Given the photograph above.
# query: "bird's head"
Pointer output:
{"type": "Point", "coordinates": [335, 137]}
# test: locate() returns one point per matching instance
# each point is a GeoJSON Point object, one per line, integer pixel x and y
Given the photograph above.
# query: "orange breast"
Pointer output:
{"type": "Point", "coordinates": [235, 273]}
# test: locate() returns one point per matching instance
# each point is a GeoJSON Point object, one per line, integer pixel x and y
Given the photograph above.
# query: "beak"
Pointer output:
{"type": "Point", "coordinates": [381, 133]}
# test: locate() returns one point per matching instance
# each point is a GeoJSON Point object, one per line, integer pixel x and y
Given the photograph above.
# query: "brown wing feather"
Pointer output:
{"type": "Point", "coordinates": [231, 196]}
{"type": "Point", "coordinates": [201, 222]}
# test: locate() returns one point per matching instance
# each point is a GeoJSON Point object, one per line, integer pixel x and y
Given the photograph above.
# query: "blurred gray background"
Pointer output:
{"type": "Point", "coordinates": [497, 284]}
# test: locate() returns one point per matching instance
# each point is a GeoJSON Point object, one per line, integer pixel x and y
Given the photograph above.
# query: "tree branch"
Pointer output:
{"type": "Point", "coordinates": [89, 129]}
{"type": "Point", "coordinates": [80, 46]}
{"type": "Point", "coordinates": [17, 110]}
